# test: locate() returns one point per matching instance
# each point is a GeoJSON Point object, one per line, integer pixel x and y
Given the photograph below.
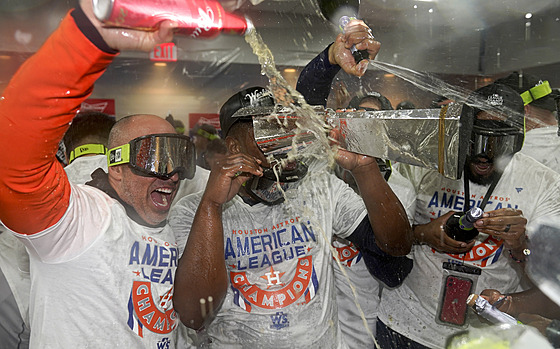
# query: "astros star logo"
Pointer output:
{"type": "Point", "coordinates": [273, 278]}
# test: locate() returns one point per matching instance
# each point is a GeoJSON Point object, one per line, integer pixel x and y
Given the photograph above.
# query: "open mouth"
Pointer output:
{"type": "Point", "coordinates": [482, 168]}
{"type": "Point", "coordinates": [161, 197]}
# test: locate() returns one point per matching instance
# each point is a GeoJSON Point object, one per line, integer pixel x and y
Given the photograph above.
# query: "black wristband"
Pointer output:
{"type": "Point", "coordinates": [89, 30]}
{"type": "Point", "coordinates": [553, 333]}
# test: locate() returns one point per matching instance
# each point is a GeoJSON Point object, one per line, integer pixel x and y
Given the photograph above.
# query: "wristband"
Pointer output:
{"type": "Point", "coordinates": [552, 333]}
{"type": "Point", "coordinates": [526, 252]}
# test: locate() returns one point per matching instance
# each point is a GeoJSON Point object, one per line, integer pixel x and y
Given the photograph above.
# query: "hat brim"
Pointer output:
{"type": "Point", "coordinates": [247, 113]}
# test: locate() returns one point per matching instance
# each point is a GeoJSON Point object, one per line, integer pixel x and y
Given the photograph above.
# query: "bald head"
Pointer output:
{"type": "Point", "coordinates": [133, 126]}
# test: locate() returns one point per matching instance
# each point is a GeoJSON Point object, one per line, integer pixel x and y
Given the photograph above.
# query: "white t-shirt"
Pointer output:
{"type": "Point", "coordinates": [281, 292]}
{"type": "Point", "coordinates": [543, 145]}
{"type": "Point", "coordinates": [190, 186]}
{"type": "Point", "coordinates": [80, 170]}
{"type": "Point", "coordinates": [359, 280]}
{"type": "Point", "coordinates": [14, 263]}
{"type": "Point", "coordinates": [98, 279]}
{"type": "Point", "coordinates": [411, 308]}
{"type": "Point", "coordinates": [14, 260]}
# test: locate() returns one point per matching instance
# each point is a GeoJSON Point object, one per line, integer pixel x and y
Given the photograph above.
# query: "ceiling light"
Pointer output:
{"type": "Point", "coordinates": [528, 15]}
{"type": "Point", "coordinates": [290, 70]}
{"type": "Point", "coordinates": [160, 64]}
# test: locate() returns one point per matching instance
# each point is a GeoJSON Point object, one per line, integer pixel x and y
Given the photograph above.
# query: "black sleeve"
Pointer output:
{"type": "Point", "coordinates": [314, 82]}
{"type": "Point", "coordinates": [89, 30]}
{"type": "Point", "coordinates": [553, 333]}
{"type": "Point", "coordinates": [388, 269]}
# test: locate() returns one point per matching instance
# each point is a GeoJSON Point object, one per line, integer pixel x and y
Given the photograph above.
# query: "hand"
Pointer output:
{"type": "Point", "coordinates": [501, 301]}
{"type": "Point", "coordinates": [228, 175]}
{"type": "Point", "coordinates": [346, 159]}
{"type": "Point", "coordinates": [357, 34]}
{"type": "Point", "coordinates": [129, 39]}
{"type": "Point", "coordinates": [507, 224]}
{"type": "Point", "coordinates": [433, 234]}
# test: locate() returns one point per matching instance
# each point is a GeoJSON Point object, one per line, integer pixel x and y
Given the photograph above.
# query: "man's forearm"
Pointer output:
{"type": "Point", "coordinates": [387, 215]}
{"type": "Point", "coordinates": [35, 111]}
{"type": "Point", "coordinates": [201, 272]}
{"type": "Point", "coordinates": [533, 301]}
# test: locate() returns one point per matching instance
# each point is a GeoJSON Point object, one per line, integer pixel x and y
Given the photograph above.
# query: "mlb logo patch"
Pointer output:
{"type": "Point", "coordinates": [279, 320]}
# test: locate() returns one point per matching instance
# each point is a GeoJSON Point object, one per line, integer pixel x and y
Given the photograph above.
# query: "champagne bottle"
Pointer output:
{"type": "Point", "coordinates": [460, 226]}
{"type": "Point", "coordinates": [195, 18]}
{"type": "Point", "coordinates": [483, 308]}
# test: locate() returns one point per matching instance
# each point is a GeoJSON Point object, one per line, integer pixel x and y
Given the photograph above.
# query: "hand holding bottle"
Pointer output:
{"type": "Point", "coordinates": [460, 226]}
{"type": "Point", "coordinates": [123, 39]}
{"type": "Point", "coordinates": [488, 311]}
{"type": "Point", "coordinates": [357, 36]}
{"type": "Point", "coordinates": [507, 224]}
{"type": "Point", "coordinates": [433, 234]}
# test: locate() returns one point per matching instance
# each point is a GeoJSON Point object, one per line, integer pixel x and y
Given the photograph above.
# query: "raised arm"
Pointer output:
{"type": "Point", "coordinates": [205, 245]}
{"type": "Point", "coordinates": [314, 82]}
{"type": "Point", "coordinates": [37, 107]}
{"type": "Point", "coordinates": [387, 216]}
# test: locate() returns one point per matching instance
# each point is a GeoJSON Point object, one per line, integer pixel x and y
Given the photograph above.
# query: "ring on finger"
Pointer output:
{"type": "Point", "coordinates": [508, 227]}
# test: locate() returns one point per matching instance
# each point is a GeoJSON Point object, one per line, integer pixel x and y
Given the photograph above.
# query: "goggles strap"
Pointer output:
{"type": "Point", "coordinates": [118, 155]}
{"type": "Point", "coordinates": [536, 92]}
{"type": "Point", "coordinates": [87, 149]}
{"type": "Point", "coordinates": [206, 135]}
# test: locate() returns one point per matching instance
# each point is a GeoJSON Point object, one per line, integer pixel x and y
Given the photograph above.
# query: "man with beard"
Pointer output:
{"type": "Point", "coordinates": [512, 189]}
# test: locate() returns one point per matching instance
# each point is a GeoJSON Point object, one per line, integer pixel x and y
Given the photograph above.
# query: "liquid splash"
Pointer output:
{"type": "Point", "coordinates": [309, 121]}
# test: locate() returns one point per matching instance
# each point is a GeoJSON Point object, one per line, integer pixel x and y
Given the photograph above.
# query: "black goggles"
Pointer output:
{"type": "Point", "coordinates": [270, 187]}
{"type": "Point", "coordinates": [158, 155]}
{"type": "Point", "coordinates": [494, 139]}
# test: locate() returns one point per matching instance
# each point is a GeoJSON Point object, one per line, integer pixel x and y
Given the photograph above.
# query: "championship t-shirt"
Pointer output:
{"type": "Point", "coordinates": [411, 309]}
{"type": "Point", "coordinates": [281, 292]}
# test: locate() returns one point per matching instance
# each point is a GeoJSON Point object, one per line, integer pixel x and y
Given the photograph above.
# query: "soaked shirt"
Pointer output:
{"type": "Point", "coordinates": [134, 268]}
{"type": "Point", "coordinates": [356, 279]}
{"type": "Point", "coordinates": [411, 308]}
{"type": "Point", "coordinates": [543, 145]}
{"type": "Point", "coordinates": [281, 287]}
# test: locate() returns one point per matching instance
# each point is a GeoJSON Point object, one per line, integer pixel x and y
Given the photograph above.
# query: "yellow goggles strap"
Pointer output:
{"type": "Point", "coordinates": [118, 155]}
{"type": "Point", "coordinates": [87, 149]}
{"type": "Point", "coordinates": [536, 92]}
{"type": "Point", "coordinates": [206, 135]}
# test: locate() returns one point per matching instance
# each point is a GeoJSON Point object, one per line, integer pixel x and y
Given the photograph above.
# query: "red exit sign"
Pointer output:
{"type": "Point", "coordinates": [164, 53]}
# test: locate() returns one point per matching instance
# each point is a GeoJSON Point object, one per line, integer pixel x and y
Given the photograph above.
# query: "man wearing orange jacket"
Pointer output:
{"type": "Point", "coordinates": [102, 256]}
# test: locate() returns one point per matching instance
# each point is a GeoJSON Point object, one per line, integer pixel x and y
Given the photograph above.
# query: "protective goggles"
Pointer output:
{"type": "Point", "coordinates": [158, 155]}
{"type": "Point", "coordinates": [494, 139]}
{"type": "Point", "coordinates": [270, 187]}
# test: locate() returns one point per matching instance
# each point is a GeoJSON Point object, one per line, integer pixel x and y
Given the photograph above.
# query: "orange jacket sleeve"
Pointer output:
{"type": "Point", "coordinates": [35, 110]}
